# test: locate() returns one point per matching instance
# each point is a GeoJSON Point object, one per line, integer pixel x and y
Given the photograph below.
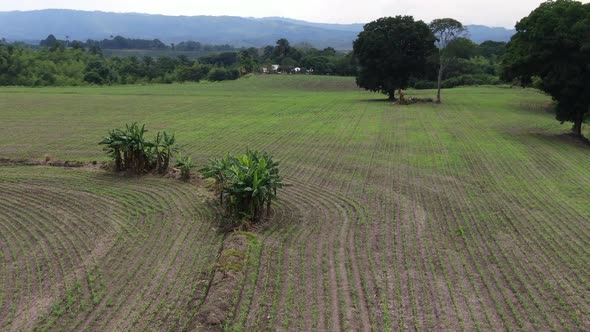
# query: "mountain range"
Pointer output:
{"type": "Point", "coordinates": [32, 26]}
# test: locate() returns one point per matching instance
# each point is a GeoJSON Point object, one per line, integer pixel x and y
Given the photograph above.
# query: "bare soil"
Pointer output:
{"type": "Point", "coordinates": [227, 278]}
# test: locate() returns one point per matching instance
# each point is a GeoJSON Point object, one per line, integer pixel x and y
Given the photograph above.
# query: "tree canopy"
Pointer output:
{"type": "Point", "coordinates": [390, 50]}
{"type": "Point", "coordinates": [553, 43]}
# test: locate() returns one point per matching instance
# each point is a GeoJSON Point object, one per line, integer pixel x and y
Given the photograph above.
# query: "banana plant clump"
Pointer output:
{"type": "Point", "coordinates": [185, 163]}
{"type": "Point", "coordinates": [246, 184]}
{"type": "Point", "coordinates": [132, 152]}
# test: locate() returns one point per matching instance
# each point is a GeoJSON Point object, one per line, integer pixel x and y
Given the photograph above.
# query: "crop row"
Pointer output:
{"type": "Point", "coordinates": [425, 221]}
{"type": "Point", "coordinates": [84, 250]}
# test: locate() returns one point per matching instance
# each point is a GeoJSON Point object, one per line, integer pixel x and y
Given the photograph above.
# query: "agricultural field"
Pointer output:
{"type": "Point", "coordinates": [470, 215]}
{"type": "Point", "coordinates": [86, 250]}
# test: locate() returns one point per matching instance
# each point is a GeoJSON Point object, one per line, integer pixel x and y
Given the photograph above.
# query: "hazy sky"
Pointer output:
{"type": "Point", "coordinates": [488, 12]}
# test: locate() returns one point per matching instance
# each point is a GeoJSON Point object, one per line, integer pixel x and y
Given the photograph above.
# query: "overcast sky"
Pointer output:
{"type": "Point", "coordinates": [488, 12]}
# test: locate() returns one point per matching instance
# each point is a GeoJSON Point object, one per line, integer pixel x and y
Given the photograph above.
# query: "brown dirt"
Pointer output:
{"type": "Point", "coordinates": [349, 250]}
{"type": "Point", "coordinates": [229, 272]}
{"type": "Point", "coordinates": [55, 236]}
{"type": "Point", "coordinates": [173, 173]}
{"type": "Point", "coordinates": [54, 163]}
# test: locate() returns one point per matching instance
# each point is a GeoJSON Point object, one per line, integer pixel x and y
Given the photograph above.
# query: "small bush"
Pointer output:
{"type": "Point", "coordinates": [246, 184]}
{"type": "Point", "coordinates": [233, 74]}
{"type": "Point", "coordinates": [185, 163]}
{"type": "Point", "coordinates": [466, 80]}
{"type": "Point", "coordinates": [132, 152]}
{"type": "Point", "coordinates": [537, 82]}
{"type": "Point", "coordinates": [424, 85]}
{"type": "Point", "coordinates": [462, 80]}
{"type": "Point", "coordinates": [217, 74]}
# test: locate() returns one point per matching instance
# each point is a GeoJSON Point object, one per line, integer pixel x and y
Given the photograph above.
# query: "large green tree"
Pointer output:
{"type": "Point", "coordinates": [390, 50]}
{"type": "Point", "coordinates": [553, 43]}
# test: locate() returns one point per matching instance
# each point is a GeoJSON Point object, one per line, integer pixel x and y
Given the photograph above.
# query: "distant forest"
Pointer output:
{"type": "Point", "coordinates": [63, 62]}
{"type": "Point", "coordinates": [122, 43]}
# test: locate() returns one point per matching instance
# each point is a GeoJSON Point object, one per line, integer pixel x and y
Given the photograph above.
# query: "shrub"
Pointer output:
{"type": "Point", "coordinates": [217, 74]}
{"type": "Point", "coordinates": [537, 82]}
{"type": "Point", "coordinates": [462, 80]}
{"type": "Point", "coordinates": [131, 151]}
{"type": "Point", "coordinates": [233, 74]}
{"type": "Point", "coordinates": [221, 74]}
{"type": "Point", "coordinates": [164, 147]}
{"type": "Point", "coordinates": [425, 85]}
{"type": "Point", "coordinates": [193, 73]}
{"type": "Point", "coordinates": [216, 170]}
{"type": "Point", "coordinates": [185, 163]}
{"type": "Point", "coordinates": [246, 184]}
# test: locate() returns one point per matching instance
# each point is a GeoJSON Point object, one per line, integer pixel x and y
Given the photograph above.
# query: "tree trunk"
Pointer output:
{"type": "Point", "coordinates": [117, 154]}
{"type": "Point", "coordinates": [577, 128]}
{"type": "Point", "coordinates": [440, 75]}
{"type": "Point", "coordinates": [392, 95]}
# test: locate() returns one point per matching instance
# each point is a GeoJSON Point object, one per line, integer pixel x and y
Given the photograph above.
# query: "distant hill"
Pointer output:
{"type": "Point", "coordinates": [481, 33]}
{"type": "Point", "coordinates": [32, 26]}
{"type": "Point", "coordinates": [356, 28]}
{"type": "Point", "coordinates": [477, 33]}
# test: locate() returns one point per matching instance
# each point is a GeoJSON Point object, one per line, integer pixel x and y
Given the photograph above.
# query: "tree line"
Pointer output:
{"type": "Point", "coordinates": [122, 43]}
{"type": "Point", "coordinates": [74, 63]}
{"type": "Point", "coordinates": [550, 50]}
{"type": "Point", "coordinates": [396, 53]}
{"type": "Point", "coordinates": [64, 62]}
